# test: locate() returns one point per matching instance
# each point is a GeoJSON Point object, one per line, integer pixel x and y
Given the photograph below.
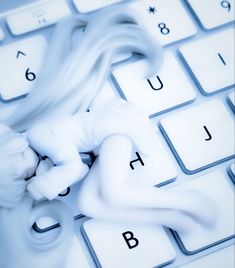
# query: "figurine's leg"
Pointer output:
{"type": "Point", "coordinates": [114, 157]}
{"type": "Point", "coordinates": [69, 166]}
{"type": "Point", "coordinates": [91, 203]}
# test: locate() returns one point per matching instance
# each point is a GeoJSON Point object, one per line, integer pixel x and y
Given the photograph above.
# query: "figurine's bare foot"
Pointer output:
{"type": "Point", "coordinates": [17, 162]}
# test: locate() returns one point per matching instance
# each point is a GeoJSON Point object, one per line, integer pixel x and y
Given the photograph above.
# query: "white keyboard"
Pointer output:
{"type": "Point", "coordinates": [190, 100]}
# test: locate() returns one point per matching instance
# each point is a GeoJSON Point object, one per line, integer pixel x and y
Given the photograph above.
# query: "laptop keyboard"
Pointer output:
{"type": "Point", "coordinates": [191, 102]}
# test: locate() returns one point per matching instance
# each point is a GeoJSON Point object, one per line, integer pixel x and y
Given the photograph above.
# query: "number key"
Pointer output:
{"type": "Point", "coordinates": [220, 12]}
{"type": "Point", "coordinates": [37, 15]}
{"type": "Point", "coordinates": [166, 19]}
{"type": "Point", "coordinates": [19, 66]}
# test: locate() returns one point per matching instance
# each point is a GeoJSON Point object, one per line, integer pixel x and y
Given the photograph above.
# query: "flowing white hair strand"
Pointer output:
{"type": "Point", "coordinates": [72, 74]}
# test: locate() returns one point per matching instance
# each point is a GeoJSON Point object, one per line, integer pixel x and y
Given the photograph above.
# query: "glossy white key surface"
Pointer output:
{"type": "Point", "coordinates": [76, 256]}
{"type": "Point", "coordinates": [231, 98]}
{"type": "Point", "coordinates": [167, 89]}
{"type": "Point", "coordinates": [213, 13]}
{"type": "Point", "coordinates": [211, 60]}
{"type": "Point", "coordinates": [84, 6]}
{"type": "Point", "coordinates": [221, 190]}
{"type": "Point", "coordinates": [202, 135]}
{"type": "Point", "coordinates": [154, 169]}
{"type": "Point", "coordinates": [146, 246]}
{"type": "Point", "coordinates": [1, 34]}
{"type": "Point", "coordinates": [106, 94]}
{"type": "Point", "coordinates": [37, 16]}
{"type": "Point", "coordinates": [222, 258]}
{"type": "Point", "coordinates": [166, 19]}
{"type": "Point", "coordinates": [19, 66]}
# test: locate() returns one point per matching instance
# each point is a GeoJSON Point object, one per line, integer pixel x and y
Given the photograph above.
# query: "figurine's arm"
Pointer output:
{"type": "Point", "coordinates": [54, 139]}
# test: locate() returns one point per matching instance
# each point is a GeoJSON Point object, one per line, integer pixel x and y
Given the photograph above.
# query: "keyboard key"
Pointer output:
{"type": "Point", "coordinates": [37, 16]}
{"type": "Point", "coordinates": [211, 60]}
{"type": "Point", "coordinates": [232, 168]}
{"type": "Point", "coordinates": [231, 98]}
{"type": "Point", "coordinates": [76, 256]}
{"type": "Point", "coordinates": [222, 258]}
{"type": "Point", "coordinates": [118, 246]}
{"type": "Point", "coordinates": [166, 19]}
{"type": "Point", "coordinates": [201, 136]}
{"type": "Point", "coordinates": [106, 94]}
{"type": "Point", "coordinates": [84, 6]}
{"type": "Point", "coordinates": [231, 171]}
{"type": "Point", "coordinates": [8, 108]}
{"type": "Point", "coordinates": [220, 189]}
{"type": "Point", "coordinates": [154, 169]}
{"type": "Point", "coordinates": [220, 12]}
{"type": "Point", "coordinates": [19, 66]}
{"type": "Point", "coordinates": [2, 36]}
{"type": "Point", "coordinates": [167, 89]}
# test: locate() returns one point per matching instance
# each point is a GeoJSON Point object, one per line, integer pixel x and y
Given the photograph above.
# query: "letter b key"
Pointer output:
{"type": "Point", "coordinates": [118, 245]}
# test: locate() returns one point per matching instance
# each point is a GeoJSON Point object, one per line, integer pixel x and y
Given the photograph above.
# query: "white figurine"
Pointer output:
{"type": "Point", "coordinates": [58, 125]}
{"type": "Point", "coordinates": [17, 162]}
{"type": "Point", "coordinates": [20, 245]}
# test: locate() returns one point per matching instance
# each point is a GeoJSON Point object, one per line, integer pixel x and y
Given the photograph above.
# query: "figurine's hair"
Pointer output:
{"type": "Point", "coordinates": [78, 62]}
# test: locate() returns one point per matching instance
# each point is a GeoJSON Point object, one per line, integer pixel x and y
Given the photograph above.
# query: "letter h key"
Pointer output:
{"type": "Point", "coordinates": [136, 160]}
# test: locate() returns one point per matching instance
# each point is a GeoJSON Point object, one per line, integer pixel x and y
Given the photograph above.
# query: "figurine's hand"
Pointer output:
{"type": "Point", "coordinates": [17, 162]}
{"type": "Point", "coordinates": [52, 138]}
{"type": "Point", "coordinates": [44, 166]}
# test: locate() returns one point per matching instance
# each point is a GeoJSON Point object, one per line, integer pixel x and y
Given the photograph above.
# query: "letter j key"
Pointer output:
{"type": "Point", "coordinates": [201, 136]}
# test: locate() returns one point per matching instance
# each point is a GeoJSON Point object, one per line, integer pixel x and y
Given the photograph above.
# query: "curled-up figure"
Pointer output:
{"type": "Point", "coordinates": [17, 162]}
{"type": "Point", "coordinates": [58, 124]}
{"type": "Point", "coordinates": [20, 245]}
